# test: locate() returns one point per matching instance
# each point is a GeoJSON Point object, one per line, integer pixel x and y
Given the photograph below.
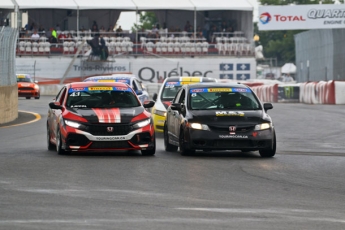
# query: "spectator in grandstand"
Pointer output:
{"type": "Point", "coordinates": [154, 29]}
{"type": "Point", "coordinates": [94, 27]}
{"type": "Point", "coordinates": [119, 31]}
{"type": "Point", "coordinates": [33, 26]}
{"type": "Point", "coordinates": [41, 29]}
{"type": "Point", "coordinates": [69, 37]}
{"type": "Point", "coordinates": [27, 27]}
{"type": "Point", "coordinates": [230, 30]}
{"type": "Point", "coordinates": [206, 29]}
{"type": "Point", "coordinates": [104, 50]}
{"type": "Point", "coordinates": [27, 34]}
{"type": "Point", "coordinates": [101, 30]}
{"type": "Point", "coordinates": [53, 36]}
{"type": "Point", "coordinates": [35, 36]}
{"type": "Point", "coordinates": [62, 37]}
{"type": "Point", "coordinates": [223, 26]}
{"type": "Point", "coordinates": [94, 43]}
{"type": "Point", "coordinates": [186, 27]}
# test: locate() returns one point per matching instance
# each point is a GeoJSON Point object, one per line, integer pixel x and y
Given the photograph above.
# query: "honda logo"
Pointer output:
{"type": "Point", "coordinates": [232, 128]}
{"type": "Point", "coordinates": [110, 129]}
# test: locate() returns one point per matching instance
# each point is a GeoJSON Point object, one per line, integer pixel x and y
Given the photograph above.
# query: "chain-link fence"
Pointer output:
{"type": "Point", "coordinates": [8, 38]}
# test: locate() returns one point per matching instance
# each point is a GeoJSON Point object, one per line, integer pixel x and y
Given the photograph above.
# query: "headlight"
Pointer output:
{"type": "Point", "coordinates": [36, 86]}
{"type": "Point", "coordinates": [142, 123]}
{"type": "Point", "coordinates": [160, 113]}
{"type": "Point", "coordinates": [199, 126]}
{"type": "Point", "coordinates": [72, 124]}
{"type": "Point", "coordinates": [262, 126]}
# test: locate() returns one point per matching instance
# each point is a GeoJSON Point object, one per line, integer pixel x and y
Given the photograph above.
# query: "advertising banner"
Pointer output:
{"type": "Point", "coordinates": [302, 17]}
{"type": "Point", "coordinates": [288, 93]}
{"type": "Point", "coordinates": [146, 69]}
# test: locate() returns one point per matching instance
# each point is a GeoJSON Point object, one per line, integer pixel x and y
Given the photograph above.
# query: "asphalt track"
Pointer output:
{"type": "Point", "coordinates": [302, 187]}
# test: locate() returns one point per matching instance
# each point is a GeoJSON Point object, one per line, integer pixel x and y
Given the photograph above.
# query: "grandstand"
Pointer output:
{"type": "Point", "coordinates": [204, 49]}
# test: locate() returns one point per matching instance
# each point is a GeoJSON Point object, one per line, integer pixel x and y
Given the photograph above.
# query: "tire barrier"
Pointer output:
{"type": "Point", "coordinates": [322, 92]}
{"type": "Point", "coordinates": [330, 92]}
{"type": "Point", "coordinates": [267, 93]}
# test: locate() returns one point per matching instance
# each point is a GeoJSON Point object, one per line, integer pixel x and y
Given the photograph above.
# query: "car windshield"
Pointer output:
{"type": "Point", "coordinates": [25, 79]}
{"type": "Point", "coordinates": [101, 97]}
{"type": "Point", "coordinates": [222, 98]}
{"type": "Point", "coordinates": [170, 90]}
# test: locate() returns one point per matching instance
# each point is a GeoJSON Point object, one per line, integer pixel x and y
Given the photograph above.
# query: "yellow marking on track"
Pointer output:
{"type": "Point", "coordinates": [38, 117]}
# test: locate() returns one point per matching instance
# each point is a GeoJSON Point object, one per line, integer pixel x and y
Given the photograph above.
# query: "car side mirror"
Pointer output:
{"type": "Point", "coordinates": [148, 104]}
{"type": "Point", "coordinates": [139, 92]}
{"type": "Point", "coordinates": [154, 97]}
{"type": "Point", "coordinates": [176, 106]}
{"type": "Point", "coordinates": [55, 105]}
{"type": "Point", "coordinates": [268, 106]}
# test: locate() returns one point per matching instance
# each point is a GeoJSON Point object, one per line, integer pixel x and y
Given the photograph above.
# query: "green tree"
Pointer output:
{"type": "Point", "coordinates": [146, 19]}
{"type": "Point", "coordinates": [280, 44]}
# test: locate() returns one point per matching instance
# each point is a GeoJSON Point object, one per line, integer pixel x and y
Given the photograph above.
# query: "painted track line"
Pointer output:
{"type": "Point", "coordinates": [37, 118]}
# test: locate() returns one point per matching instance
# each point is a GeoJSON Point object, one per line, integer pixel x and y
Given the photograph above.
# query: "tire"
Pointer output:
{"type": "Point", "coordinates": [168, 147]}
{"type": "Point", "coordinates": [269, 152]}
{"type": "Point", "coordinates": [38, 97]}
{"type": "Point", "coordinates": [150, 152]}
{"type": "Point", "coordinates": [27, 97]}
{"type": "Point", "coordinates": [49, 144]}
{"type": "Point", "coordinates": [59, 149]}
{"type": "Point", "coordinates": [183, 150]}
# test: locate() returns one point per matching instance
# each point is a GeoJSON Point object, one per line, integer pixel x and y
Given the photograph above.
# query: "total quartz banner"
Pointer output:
{"type": "Point", "coordinates": [302, 17]}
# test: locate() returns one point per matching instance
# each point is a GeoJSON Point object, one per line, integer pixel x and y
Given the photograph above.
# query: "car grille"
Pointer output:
{"type": "Point", "coordinates": [110, 145]}
{"type": "Point", "coordinates": [239, 129]}
{"type": "Point", "coordinates": [25, 88]}
{"type": "Point", "coordinates": [234, 144]}
{"type": "Point", "coordinates": [102, 130]}
{"type": "Point", "coordinates": [77, 140]}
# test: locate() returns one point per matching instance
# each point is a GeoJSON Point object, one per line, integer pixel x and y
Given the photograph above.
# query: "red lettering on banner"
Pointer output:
{"type": "Point", "coordinates": [280, 18]}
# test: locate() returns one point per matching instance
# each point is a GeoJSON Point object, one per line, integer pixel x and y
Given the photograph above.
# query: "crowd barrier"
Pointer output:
{"type": "Point", "coordinates": [322, 92]}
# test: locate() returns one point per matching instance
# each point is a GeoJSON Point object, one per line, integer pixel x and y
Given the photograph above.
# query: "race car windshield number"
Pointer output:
{"type": "Point", "coordinates": [75, 94]}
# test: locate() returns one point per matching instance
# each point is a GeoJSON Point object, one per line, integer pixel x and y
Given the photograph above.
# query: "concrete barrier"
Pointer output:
{"type": "Point", "coordinates": [8, 103]}
{"type": "Point", "coordinates": [50, 90]}
{"type": "Point", "coordinates": [322, 92]}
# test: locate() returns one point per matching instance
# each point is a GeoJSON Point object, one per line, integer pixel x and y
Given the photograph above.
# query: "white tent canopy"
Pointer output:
{"type": "Point", "coordinates": [6, 4]}
{"type": "Point", "coordinates": [289, 68]}
{"type": "Point", "coordinates": [75, 14]}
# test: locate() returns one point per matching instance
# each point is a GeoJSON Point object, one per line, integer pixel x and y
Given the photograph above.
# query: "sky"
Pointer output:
{"type": "Point", "coordinates": [127, 19]}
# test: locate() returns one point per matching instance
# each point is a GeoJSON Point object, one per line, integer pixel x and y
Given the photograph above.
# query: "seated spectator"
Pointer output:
{"type": "Point", "coordinates": [35, 36]}
{"type": "Point", "coordinates": [119, 31]}
{"type": "Point", "coordinates": [62, 37]}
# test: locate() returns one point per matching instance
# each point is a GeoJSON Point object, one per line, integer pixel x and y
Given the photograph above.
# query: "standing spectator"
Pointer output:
{"type": "Point", "coordinates": [119, 31]}
{"type": "Point", "coordinates": [186, 27]}
{"type": "Point", "coordinates": [53, 36]}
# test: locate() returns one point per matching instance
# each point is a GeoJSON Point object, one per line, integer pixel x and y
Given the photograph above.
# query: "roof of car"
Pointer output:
{"type": "Point", "coordinates": [115, 76]}
{"type": "Point", "coordinates": [92, 83]}
{"type": "Point", "coordinates": [215, 85]}
{"type": "Point", "coordinates": [190, 79]}
{"type": "Point", "coordinates": [24, 75]}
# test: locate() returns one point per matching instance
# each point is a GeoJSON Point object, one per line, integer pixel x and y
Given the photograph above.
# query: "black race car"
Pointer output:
{"type": "Point", "coordinates": [218, 116]}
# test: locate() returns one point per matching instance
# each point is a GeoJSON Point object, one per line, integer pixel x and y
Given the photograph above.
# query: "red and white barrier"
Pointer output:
{"type": "Point", "coordinates": [340, 92]}
{"type": "Point", "coordinates": [267, 93]}
{"type": "Point", "coordinates": [322, 92]}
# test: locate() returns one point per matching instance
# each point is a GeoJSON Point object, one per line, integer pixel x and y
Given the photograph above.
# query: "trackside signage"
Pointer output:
{"type": "Point", "coordinates": [302, 17]}
{"type": "Point", "coordinates": [146, 69]}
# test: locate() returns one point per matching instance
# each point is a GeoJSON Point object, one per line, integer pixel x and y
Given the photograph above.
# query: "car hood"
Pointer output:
{"type": "Point", "coordinates": [217, 117]}
{"type": "Point", "coordinates": [108, 115]}
{"type": "Point", "coordinates": [26, 84]}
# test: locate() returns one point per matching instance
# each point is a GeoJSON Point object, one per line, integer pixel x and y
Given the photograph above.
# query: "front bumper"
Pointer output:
{"type": "Point", "coordinates": [158, 122]}
{"type": "Point", "coordinates": [28, 93]}
{"type": "Point", "coordinates": [249, 141]}
{"type": "Point", "coordinates": [80, 141]}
